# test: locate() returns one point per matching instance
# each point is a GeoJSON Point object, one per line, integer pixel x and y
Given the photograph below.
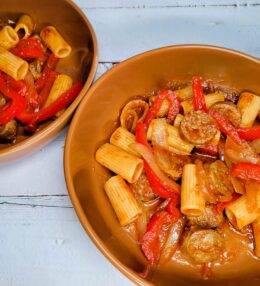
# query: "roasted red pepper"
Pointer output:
{"type": "Point", "coordinates": [151, 240]}
{"type": "Point", "coordinates": [28, 49]}
{"type": "Point", "coordinates": [141, 134]}
{"type": "Point", "coordinates": [199, 102]}
{"type": "Point", "coordinates": [47, 87]}
{"type": "Point", "coordinates": [49, 66]}
{"type": "Point", "coordinates": [249, 133]}
{"type": "Point", "coordinates": [16, 105]}
{"type": "Point", "coordinates": [208, 149]}
{"type": "Point", "coordinates": [172, 208]}
{"type": "Point", "coordinates": [157, 186]}
{"type": "Point", "coordinates": [246, 171]}
{"type": "Point", "coordinates": [222, 205]}
{"type": "Point", "coordinates": [173, 109]}
{"type": "Point", "coordinates": [225, 126]}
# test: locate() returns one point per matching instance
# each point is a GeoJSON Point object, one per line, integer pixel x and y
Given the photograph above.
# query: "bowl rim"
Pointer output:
{"type": "Point", "coordinates": [125, 270]}
{"type": "Point", "coordinates": [14, 149]}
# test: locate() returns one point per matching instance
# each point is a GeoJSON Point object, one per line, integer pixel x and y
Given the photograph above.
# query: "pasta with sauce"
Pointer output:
{"type": "Point", "coordinates": [31, 91]}
{"type": "Point", "coordinates": [201, 171]}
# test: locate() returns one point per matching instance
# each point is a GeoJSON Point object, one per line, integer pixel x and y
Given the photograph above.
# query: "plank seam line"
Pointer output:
{"type": "Point", "coordinates": [33, 196]}
{"type": "Point", "coordinates": [235, 5]}
{"type": "Point", "coordinates": [35, 205]}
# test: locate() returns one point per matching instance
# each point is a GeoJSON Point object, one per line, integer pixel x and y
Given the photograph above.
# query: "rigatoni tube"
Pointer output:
{"type": "Point", "coordinates": [8, 37]}
{"type": "Point", "coordinates": [192, 199]}
{"type": "Point", "coordinates": [122, 138]}
{"type": "Point", "coordinates": [61, 84]}
{"type": "Point", "coordinates": [12, 65]}
{"type": "Point", "coordinates": [210, 99]}
{"type": "Point", "coordinates": [120, 162]}
{"type": "Point", "coordinates": [55, 42]}
{"type": "Point", "coordinates": [256, 230]}
{"type": "Point", "coordinates": [25, 25]}
{"type": "Point", "coordinates": [240, 211]}
{"type": "Point", "coordinates": [122, 200]}
{"type": "Point", "coordinates": [249, 106]}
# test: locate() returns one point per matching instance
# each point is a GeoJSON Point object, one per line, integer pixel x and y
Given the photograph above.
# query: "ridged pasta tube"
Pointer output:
{"type": "Point", "coordinates": [256, 230]}
{"type": "Point", "coordinates": [120, 162]}
{"type": "Point", "coordinates": [26, 24]}
{"type": "Point", "coordinates": [178, 120]}
{"type": "Point", "coordinates": [122, 138]}
{"type": "Point", "coordinates": [241, 212]}
{"type": "Point", "coordinates": [249, 106]}
{"type": "Point", "coordinates": [61, 84]}
{"type": "Point", "coordinates": [210, 99]}
{"type": "Point", "coordinates": [122, 200]}
{"type": "Point", "coordinates": [192, 199]}
{"type": "Point", "coordinates": [55, 42]}
{"type": "Point", "coordinates": [12, 65]}
{"type": "Point", "coordinates": [8, 37]}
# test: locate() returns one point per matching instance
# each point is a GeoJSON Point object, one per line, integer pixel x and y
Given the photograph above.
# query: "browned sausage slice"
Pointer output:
{"type": "Point", "coordinates": [229, 111]}
{"type": "Point", "coordinates": [198, 127]}
{"type": "Point", "coordinates": [209, 219]}
{"type": "Point", "coordinates": [204, 245]}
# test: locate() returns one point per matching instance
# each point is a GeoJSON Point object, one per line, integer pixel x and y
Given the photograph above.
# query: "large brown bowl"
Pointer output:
{"type": "Point", "coordinates": [81, 64]}
{"type": "Point", "coordinates": [92, 125]}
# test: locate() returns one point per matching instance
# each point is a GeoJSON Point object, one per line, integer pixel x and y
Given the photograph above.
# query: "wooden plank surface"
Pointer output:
{"type": "Point", "coordinates": [41, 239]}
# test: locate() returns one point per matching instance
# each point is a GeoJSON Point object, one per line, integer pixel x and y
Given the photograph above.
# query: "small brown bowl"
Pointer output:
{"type": "Point", "coordinates": [92, 125]}
{"type": "Point", "coordinates": [81, 64]}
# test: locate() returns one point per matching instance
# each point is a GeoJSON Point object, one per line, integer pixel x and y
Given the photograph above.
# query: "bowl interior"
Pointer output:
{"type": "Point", "coordinates": [92, 125]}
{"type": "Point", "coordinates": [80, 65]}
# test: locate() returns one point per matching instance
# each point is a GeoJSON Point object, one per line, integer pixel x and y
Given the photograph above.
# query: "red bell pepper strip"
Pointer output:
{"type": "Point", "coordinates": [172, 208]}
{"type": "Point", "coordinates": [19, 86]}
{"type": "Point", "coordinates": [222, 205]}
{"type": "Point", "coordinates": [49, 66]}
{"type": "Point", "coordinates": [199, 102]}
{"type": "Point", "coordinates": [28, 49]}
{"type": "Point", "coordinates": [246, 171]}
{"type": "Point", "coordinates": [157, 186]}
{"type": "Point", "coordinates": [12, 109]}
{"type": "Point", "coordinates": [173, 109]}
{"type": "Point", "coordinates": [45, 113]}
{"type": "Point", "coordinates": [249, 133]}
{"type": "Point", "coordinates": [225, 126]}
{"type": "Point", "coordinates": [150, 243]}
{"type": "Point", "coordinates": [141, 134]}
{"type": "Point", "coordinates": [47, 87]}
{"type": "Point", "coordinates": [208, 149]}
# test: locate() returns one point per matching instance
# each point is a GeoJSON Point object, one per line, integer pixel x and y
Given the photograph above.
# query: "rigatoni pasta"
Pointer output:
{"type": "Point", "coordinates": [249, 106]}
{"type": "Point", "coordinates": [190, 185]}
{"type": "Point", "coordinates": [61, 84]}
{"type": "Point", "coordinates": [8, 37]}
{"type": "Point", "coordinates": [192, 200]}
{"type": "Point", "coordinates": [55, 42]}
{"type": "Point", "coordinates": [123, 139]}
{"type": "Point", "coordinates": [256, 231]}
{"type": "Point", "coordinates": [25, 25]}
{"type": "Point", "coordinates": [12, 65]}
{"type": "Point", "coordinates": [120, 162]}
{"type": "Point", "coordinates": [122, 200]}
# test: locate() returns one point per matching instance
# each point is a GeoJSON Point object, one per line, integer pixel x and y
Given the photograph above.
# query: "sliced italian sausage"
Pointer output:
{"type": "Point", "coordinates": [209, 219]}
{"type": "Point", "coordinates": [204, 245]}
{"type": "Point", "coordinates": [229, 111]}
{"type": "Point", "coordinates": [198, 127]}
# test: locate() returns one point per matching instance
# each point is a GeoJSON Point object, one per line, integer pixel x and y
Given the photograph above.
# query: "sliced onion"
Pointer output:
{"type": "Point", "coordinates": [149, 158]}
{"type": "Point", "coordinates": [255, 145]}
{"type": "Point", "coordinates": [130, 110]}
{"type": "Point", "coordinates": [160, 133]}
{"type": "Point", "coordinates": [237, 157]}
{"type": "Point", "coordinates": [237, 185]}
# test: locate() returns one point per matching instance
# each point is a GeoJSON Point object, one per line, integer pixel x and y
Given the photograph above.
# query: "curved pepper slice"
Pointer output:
{"type": "Point", "coordinates": [28, 49]}
{"type": "Point", "coordinates": [246, 171]}
{"type": "Point", "coordinates": [199, 102]}
{"type": "Point", "coordinates": [249, 133]}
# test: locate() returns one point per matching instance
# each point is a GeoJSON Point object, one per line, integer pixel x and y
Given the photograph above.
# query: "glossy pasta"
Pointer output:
{"type": "Point", "coordinates": [200, 174]}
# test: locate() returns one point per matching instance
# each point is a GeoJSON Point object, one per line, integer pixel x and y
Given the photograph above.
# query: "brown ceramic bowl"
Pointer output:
{"type": "Point", "coordinates": [92, 125]}
{"type": "Point", "coordinates": [81, 64]}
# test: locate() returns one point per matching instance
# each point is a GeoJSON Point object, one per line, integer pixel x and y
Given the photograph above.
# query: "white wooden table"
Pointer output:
{"type": "Point", "coordinates": [41, 239]}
